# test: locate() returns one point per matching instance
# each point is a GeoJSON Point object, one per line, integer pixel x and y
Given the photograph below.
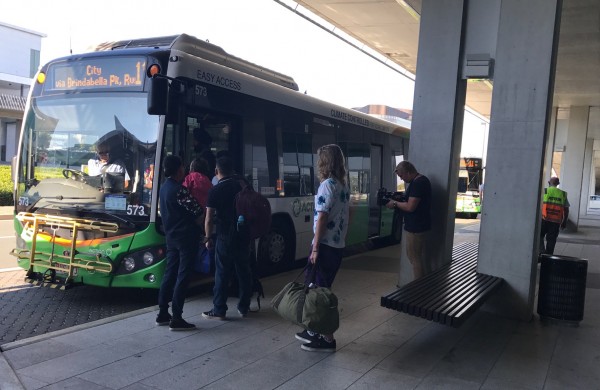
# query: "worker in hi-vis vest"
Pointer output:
{"type": "Point", "coordinates": [555, 213]}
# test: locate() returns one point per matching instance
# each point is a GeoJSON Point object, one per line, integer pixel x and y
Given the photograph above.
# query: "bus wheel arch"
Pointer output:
{"type": "Point", "coordinates": [277, 248]}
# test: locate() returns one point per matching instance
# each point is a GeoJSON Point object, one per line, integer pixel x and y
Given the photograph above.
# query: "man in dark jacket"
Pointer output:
{"type": "Point", "coordinates": [182, 218]}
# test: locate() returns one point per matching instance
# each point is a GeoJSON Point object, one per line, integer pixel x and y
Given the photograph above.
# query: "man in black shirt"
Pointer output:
{"type": "Point", "coordinates": [231, 249]}
{"type": "Point", "coordinates": [417, 214]}
{"type": "Point", "coordinates": [182, 218]}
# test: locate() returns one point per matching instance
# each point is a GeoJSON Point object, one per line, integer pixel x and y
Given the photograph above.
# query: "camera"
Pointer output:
{"type": "Point", "coordinates": [384, 196]}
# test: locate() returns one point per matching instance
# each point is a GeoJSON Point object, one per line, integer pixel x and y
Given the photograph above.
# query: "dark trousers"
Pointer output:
{"type": "Point", "coordinates": [328, 264]}
{"type": "Point", "coordinates": [180, 265]}
{"type": "Point", "coordinates": [550, 231]}
{"type": "Point", "coordinates": [230, 254]}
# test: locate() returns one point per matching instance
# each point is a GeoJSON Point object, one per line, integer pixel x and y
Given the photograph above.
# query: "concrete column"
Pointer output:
{"type": "Point", "coordinates": [12, 139]}
{"type": "Point", "coordinates": [550, 144]}
{"type": "Point", "coordinates": [520, 116]}
{"type": "Point", "coordinates": [572, 175]}
{"type": "Point", "coordinates": [588, 161]}
{"type": "Point", "coordinates": [437, 121]}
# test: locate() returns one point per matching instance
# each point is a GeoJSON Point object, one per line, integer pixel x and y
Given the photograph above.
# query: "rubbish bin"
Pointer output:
{"type": "Point", "coordinates": [562, 288]}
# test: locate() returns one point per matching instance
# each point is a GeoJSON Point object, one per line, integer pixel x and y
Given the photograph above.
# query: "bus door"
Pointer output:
{"type": "Point", "coordinates": [374, 209]}
{"type": "Point", "coordinates": [210, 135]}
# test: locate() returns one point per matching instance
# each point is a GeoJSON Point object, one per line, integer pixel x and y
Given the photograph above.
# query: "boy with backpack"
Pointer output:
{"type": "Point", "coordinates": [232, 249]}
{"type": "Point", "coordinates": [253, 216]}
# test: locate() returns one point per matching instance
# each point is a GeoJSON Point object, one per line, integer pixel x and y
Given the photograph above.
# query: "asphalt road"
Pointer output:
{"type": "Point", "coordinates": [27, 311]}
{"type": "Point", "coordinates": [7, 243]}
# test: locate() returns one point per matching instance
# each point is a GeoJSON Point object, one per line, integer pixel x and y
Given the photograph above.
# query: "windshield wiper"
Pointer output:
{"type": "Point", "coordinates": [60, 197]}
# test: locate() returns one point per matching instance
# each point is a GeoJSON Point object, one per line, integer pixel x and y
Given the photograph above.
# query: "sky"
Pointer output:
{"type": "Point", "coordinates": [260, 31]}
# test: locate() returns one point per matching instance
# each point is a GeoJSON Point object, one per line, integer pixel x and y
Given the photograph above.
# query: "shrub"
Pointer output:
{"type": "Point", "coordinates": [6, 186]}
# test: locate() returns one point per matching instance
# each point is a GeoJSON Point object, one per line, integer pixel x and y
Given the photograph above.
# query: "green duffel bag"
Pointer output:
{"type": "Point", "coordinates": [315, 309]}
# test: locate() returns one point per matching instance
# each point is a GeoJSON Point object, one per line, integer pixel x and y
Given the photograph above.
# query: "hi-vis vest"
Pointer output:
{"type": "Point", "coordinates": [553, 209]}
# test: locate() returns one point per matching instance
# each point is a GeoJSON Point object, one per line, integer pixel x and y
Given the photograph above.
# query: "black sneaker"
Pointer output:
{"type": "Point", "coordinates": [163, 319]}
{"type": "Point", "coordinates": [242, 314]}
{"type": "Point", "coordinates": [320, 345]}
{"type": "Point", "coordinates": [181, 324]}
{"type": "Point", "coordinates": [211, 315]}
{"type": "Point", "coordinates": [307, 337]}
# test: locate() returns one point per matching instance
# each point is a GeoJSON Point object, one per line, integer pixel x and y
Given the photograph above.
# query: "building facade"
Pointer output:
{"type": "Point", "coordinates": [19, 61]}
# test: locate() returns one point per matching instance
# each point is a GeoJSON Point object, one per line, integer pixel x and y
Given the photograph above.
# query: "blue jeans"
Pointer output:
{"type": "Point", "coordinates": [231, 254]}
{"type": "Point", "coordinates": [180, 265]}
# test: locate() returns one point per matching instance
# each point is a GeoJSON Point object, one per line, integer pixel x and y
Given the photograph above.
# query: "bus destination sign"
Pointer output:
{"type": "Point", "coordinates": [470, 163]}
{"type": "Point", "coordinates": [126, 73]}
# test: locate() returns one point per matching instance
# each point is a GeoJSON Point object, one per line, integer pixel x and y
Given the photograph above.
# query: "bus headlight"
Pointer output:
{"type": "Point", "coordinates": [129, 263]}
{"type": "Point", "coordinates": [143, 258]}
{"type": "Point", "coordinates": [148, 258]}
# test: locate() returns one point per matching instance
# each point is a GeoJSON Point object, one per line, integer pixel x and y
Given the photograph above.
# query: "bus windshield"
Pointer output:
{"type": "Point", "coordinates": [91, 152]}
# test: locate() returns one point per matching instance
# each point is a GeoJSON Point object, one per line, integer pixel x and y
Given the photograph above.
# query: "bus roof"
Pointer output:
{"type": "Point", "coordinates": [206, 50]}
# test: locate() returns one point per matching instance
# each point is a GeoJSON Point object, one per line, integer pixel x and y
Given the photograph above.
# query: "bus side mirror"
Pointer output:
{"type": "Point", "coordinates": [158, 95]}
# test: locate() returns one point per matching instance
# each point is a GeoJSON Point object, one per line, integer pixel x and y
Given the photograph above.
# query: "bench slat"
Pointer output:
{"type": "Point", "coordinates": [461, 316]}
{"type": "Point", "coordinates": [454, 304]}
{"type": "Point", "coordinates": [428, 282]}
{"type": "Point", "coordinates": [453, 281]}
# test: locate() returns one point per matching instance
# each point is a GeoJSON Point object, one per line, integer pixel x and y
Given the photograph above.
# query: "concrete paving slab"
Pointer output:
{"type": "Point", "coordinates": [195, 373]}
{"type": "Point", "coordinates": [8, 378]}
{"type": "Point", "coordinates": [359, 356]}
{"type": "Point", "coordinates": [322, 376]}
{"type": "Point", "coordinates": [260, 375]}
{"type": "Point", "coordinates": [38, 352]}
{"type": "Point", "coordinates": [76, 384]}
{"type": "Point", "coordinates": [32, 384]}
{"type": "Point", "coordinates": [385, 380]}
{"type": "Point", "coordinates": [134, 368]}
{"type": "Point", "coordinates": [526, 371]}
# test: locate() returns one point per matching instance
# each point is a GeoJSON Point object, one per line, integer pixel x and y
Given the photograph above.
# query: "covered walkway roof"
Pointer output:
{"type": "Point", "coordinates": [391, 27]}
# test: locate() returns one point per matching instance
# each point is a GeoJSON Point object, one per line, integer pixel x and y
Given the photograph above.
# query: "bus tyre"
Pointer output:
{"type": "Point", "coordinates": [275, 250]}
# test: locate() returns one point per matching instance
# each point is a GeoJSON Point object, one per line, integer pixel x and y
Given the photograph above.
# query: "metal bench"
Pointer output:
{"type": "Point", "coordinates": [450, 294]}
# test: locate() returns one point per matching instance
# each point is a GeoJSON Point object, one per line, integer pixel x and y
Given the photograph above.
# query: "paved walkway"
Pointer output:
{"type": "Point", "coordinates": [377, 347]}
{"type": "Point", "coordinates": [6, 212]}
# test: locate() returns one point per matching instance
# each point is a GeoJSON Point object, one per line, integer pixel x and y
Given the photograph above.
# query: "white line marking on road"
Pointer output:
{"type": "Point", "coordinates": [10, 269]}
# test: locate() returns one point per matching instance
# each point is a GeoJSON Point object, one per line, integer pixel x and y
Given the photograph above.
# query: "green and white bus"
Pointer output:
{"type": "Point", "coordinates": [145, 97]}
{"type": "Point", "coordinates": [470, 178]}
